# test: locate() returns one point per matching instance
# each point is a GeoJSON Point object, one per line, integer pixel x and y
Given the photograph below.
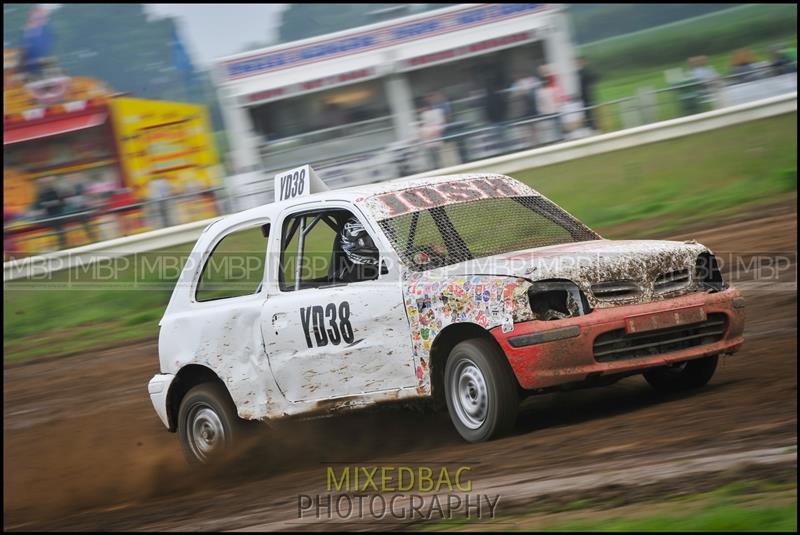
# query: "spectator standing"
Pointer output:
{"type": "Point", "coordinates": [549, 100]}
{"type": "Point", "coordinates": [438, 100]}
{"type": "Point", "coordinates": [159, 192]}
{"type": "Point", "coordinates": [51, 201]}
{"type": "Point", "coordinates": [743, 65]}
{"type": "Point", "coordinates": [78, 202]}
{"type": "Point", "coordinates": [526, 88]}
{"type": "Point", "coordinates": [779, 62]}
{"type": "Point", "coordinates": [702, 71]}
{"type": "Point", "coordinates": [432, 124]}
{"type": "Point", "coordinates": [573, 118]}
{"type": "Point", "coordinates": [587, 78]}
{"type": "Point", "coordinates": [451, 127]}
{"type": "Point", "coordinates": [496, 107]}
{"type": "Point", "coordinates": [706, 78]}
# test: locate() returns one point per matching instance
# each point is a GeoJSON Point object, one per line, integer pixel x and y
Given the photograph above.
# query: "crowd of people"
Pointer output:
{"type": "Point", "coordinates": [74, 198]}
{"type": "Point", "coordinates": [77, 200]}
{"type": "Point", "coordinates": [535, 97]}
{"type": "Point", "coordinates": [744, 66]}
{"type": "Point", "coordinates": [704, 82]}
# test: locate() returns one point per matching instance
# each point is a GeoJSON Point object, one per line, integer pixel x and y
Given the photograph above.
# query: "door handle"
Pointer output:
{"type": "Point", "coordinates": [279, 319]}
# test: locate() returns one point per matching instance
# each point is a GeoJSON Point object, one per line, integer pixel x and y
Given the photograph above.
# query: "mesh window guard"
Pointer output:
{"type": "Point", "coordinates": [458, 232]}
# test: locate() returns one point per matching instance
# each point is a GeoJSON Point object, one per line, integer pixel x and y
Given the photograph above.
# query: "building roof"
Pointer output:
{"type": "Point", "coordinates": [372, 51]}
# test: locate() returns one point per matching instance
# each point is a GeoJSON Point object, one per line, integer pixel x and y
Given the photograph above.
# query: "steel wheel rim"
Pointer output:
{"type": "Point", "coordinates": [206, 432]}
{"type": "Point", "coordinates": [469, 394]}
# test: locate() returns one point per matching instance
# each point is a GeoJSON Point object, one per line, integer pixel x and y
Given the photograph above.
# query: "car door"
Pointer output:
{"type": "Point", "coordinates": [327, 339]}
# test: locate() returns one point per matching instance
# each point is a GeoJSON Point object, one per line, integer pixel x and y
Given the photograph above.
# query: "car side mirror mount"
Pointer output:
{"type": "Point", "coordinates": [384, 268]}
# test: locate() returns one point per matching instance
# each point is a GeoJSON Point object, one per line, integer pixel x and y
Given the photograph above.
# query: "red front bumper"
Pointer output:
{"type": "Point", "coordinates": [572, 359]}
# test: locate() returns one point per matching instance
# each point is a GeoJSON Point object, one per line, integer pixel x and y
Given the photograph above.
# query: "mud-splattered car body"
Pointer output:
{"type": "Point", "coordinates": [460, 256]}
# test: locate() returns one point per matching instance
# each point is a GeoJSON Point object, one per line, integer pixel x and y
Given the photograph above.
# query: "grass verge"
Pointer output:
{"type": "Point", "coordinates": [756, 506]}
{"type": "Point", "coordinates": [679, 181]}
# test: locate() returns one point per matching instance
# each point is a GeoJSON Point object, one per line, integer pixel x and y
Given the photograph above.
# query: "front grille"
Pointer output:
{"type": "Point", "coordinates": [618, 345]}
{"type": "Point", "coordinates": [672, 280]}
{"type": "Point", "coordinates": [621, 289]}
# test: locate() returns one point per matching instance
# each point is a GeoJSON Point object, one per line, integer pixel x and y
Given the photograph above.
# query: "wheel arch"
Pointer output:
{"type": "Point", "coordinates": [444, 343]}
{"type": "Point", "coordinates": [187, 377]}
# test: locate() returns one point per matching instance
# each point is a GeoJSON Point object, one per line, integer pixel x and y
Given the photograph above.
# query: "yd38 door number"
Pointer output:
{"type": "Point", "coordinates": [329, 324]}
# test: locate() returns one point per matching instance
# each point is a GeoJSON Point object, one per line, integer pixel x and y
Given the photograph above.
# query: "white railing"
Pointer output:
{"type": "Point", "coordinates": [170, 237]}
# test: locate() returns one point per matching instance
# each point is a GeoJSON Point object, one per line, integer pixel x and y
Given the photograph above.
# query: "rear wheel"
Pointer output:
{"type": "Point", "coordinates": [210, 431]}
{"type": "Point", "coordinates": [682, 376]}
{"type": "Point", "coordinates": [480, 390]}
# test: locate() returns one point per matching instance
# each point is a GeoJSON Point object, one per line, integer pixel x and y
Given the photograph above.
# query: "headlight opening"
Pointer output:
{"type": "Point", "coordinates": [553, 300]}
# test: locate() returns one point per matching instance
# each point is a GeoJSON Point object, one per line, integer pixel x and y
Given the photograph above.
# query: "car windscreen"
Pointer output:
{"type": "Point", "coordinates": [453, 233]}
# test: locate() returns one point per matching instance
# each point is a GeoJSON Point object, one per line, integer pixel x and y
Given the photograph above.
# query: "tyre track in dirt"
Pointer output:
{"type": "Point", "coordinates": [83, 448]}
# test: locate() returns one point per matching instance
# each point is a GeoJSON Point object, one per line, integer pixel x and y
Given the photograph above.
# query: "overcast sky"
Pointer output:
{"type": "Point", "coordinates": [214, 30]}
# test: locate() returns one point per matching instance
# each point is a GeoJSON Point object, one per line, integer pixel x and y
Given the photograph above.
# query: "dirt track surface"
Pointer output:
{"type": "Point", "coordinates": [83, 448]}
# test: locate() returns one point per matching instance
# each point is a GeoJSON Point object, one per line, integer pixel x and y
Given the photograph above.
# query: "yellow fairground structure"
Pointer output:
{"type": "Point", "coordinates": [74, 134]}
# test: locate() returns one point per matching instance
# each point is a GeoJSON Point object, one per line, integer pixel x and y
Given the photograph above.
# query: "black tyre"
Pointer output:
{"type": "Point", "coordinates": [683, 376]}
{"type": "Point", "coordinates": [480, 390]}
{"type": "Point", "coordinates": [210, 431]}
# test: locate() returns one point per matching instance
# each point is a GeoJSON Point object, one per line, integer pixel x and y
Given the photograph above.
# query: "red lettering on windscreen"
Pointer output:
{"type": "Point", "coordinates": [426, 197]}
{"type": "Point", "coordinates": [460, 191]}
{"type": "Point", "coordinates": [495, 187]}
{"type": "Point", "coordinates": [394, 204]}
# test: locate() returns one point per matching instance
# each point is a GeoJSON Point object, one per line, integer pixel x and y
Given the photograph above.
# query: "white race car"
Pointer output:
{"type": "Point", "coordinates": [473, 289]}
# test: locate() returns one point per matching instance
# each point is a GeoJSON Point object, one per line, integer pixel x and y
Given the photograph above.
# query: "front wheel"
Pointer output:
{"type": "Point", "coordinates": [208, 426]}
{"type": "Point", "coordinates": [480, 390]}
{"type": "Point", "coordinates": [682, 376]}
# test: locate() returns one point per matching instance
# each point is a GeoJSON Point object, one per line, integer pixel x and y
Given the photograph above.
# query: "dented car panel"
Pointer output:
{"type": "Point", "coordinates": [226, 339]}
{"type": "Point", "coordinates": [439, 298]}
{"type": "Point", "coordinates": [221, 336]}
{"type": "Point", "coordinates": [592, 264]}
{"type": "Point", "coordinates": [434, 301]}
{"type": "Point", "coordinates": [552, 309]}
{"type": "Point", "coordinates": [372, 352]}
{"type": "Point", "coordinates": [574, 359]}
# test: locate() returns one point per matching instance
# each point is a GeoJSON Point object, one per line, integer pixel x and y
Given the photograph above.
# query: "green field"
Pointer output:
{"type": "Point", "coordinates": [614, 85]}
{"type": "Point", "coordinates": [754, 506]}
{"type": "Point", "coordinates": [668, 185]}
{"type": "Point", "coordinates": [677, 182]}
{"type": "Point", "coordinates": [635, 60]}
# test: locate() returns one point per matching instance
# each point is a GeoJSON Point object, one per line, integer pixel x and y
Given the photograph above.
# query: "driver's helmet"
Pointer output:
{"type": "Point", "coordinates": [357, 244]}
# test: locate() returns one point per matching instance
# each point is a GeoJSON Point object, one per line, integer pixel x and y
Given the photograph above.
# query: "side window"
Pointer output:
{"type": "Point", "coordinates": [235, 266]}
{"type": "Point", "coordinates": [325, 247]}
